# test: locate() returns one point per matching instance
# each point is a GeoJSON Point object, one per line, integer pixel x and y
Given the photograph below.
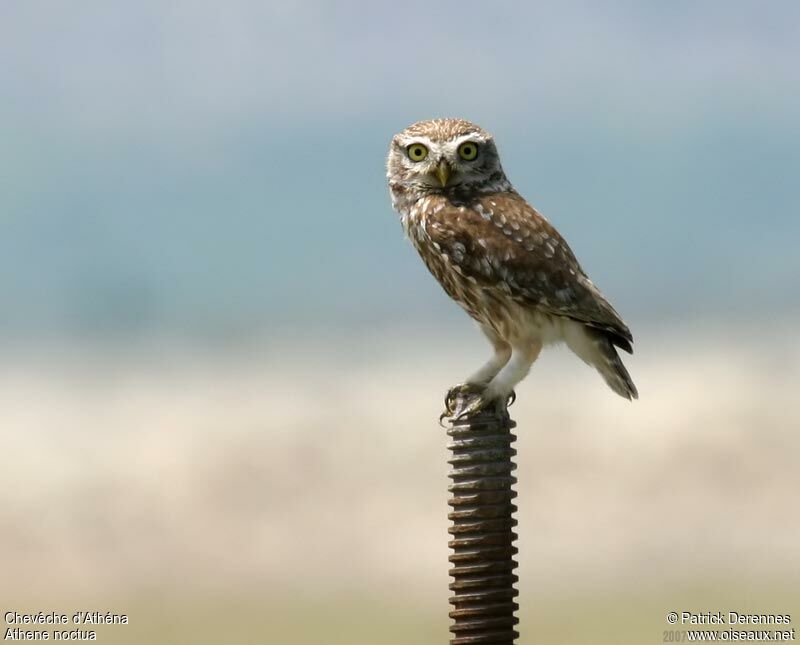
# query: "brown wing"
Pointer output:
{"type": "Point", "coordinates": [500, 239]}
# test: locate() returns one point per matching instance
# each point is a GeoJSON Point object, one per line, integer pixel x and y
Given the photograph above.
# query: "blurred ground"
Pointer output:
{"type": "Point", "coordinates": [295, 491]}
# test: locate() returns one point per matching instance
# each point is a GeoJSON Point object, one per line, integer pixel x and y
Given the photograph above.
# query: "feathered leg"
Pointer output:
{"type": "Point", "coordinates": [476, 383]}
{"type": "Point", "coordinates": [498, 390]}
{"type": "Point", "coordinates": [502, 354]}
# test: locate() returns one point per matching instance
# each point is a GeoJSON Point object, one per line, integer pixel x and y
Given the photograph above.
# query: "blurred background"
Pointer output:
{"type": "Point", "coordinates": [222, 364]}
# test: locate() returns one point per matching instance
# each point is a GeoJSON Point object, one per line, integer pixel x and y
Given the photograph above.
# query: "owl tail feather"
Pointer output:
{"type": "Point", "coordinates": [595, 348]}
{"type": "Point", "coordinates": [614, 372]}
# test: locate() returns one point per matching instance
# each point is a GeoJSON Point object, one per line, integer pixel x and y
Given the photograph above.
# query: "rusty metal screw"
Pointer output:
{"type": "Point", "coordinates": [483, 529]}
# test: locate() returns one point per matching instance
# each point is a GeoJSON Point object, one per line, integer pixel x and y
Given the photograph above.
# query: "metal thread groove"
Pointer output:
{"type": "Point", "coordinates": [482, 529]}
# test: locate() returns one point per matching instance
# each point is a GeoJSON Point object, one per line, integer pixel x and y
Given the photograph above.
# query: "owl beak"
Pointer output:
{"type": "Point", "coordinates": [443, 172]}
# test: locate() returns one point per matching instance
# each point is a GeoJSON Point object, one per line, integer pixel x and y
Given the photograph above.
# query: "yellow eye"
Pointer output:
{"type": "Point", "coordinates": [416, 152]}
{"type": "Point", "coordinates": [468, 151]}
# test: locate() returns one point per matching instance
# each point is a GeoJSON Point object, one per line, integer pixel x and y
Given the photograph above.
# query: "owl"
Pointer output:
{"type": "Point", "coordinates": [500, 259]}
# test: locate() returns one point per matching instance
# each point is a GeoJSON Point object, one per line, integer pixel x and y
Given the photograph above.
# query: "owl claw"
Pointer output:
{"type": "Point", "coordinates": [477, 402]}
{"type": "Point", "coordinates": [476, 405]}
{"type": "Point", "coordinates": [463, 390]}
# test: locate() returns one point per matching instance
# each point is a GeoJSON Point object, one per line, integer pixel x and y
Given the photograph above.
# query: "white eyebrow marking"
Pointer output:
{"type": "Point", "coordinates": [404, 141]}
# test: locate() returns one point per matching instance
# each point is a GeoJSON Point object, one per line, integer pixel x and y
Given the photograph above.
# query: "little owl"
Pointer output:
{"type": "Point", "coordinates": [498, 258]}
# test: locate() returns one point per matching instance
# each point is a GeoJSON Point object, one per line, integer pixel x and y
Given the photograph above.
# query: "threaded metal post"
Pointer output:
{"type": "Point", "coordinates": [482, 529]}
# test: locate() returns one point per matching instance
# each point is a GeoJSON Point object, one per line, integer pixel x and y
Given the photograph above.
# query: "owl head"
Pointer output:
{"type": "Point", "coordinates": [445, 155]}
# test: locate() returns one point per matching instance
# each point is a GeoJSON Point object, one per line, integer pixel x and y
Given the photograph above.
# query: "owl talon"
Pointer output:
{"type": "Point", "coordinates": [477, 405]}
{"type": "Point", "coordinates": [453, 394]}
{"type": "Point", "coordinates": [482, 403]}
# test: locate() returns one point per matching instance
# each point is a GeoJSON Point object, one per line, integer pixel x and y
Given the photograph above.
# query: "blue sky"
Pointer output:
{"type": "Point", "coordinates": [209, 168]}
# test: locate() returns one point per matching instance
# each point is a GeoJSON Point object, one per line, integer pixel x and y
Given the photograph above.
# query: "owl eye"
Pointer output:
{"type": "Point", "coordinates": [416, 152]}
{"type": "Point", "coordinates": [468, 151]}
